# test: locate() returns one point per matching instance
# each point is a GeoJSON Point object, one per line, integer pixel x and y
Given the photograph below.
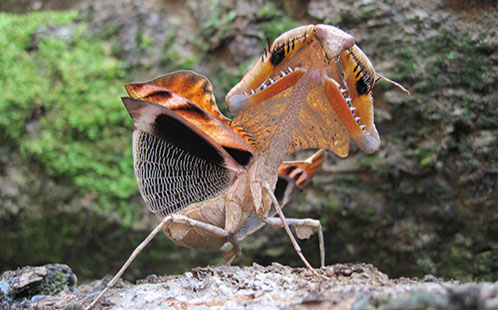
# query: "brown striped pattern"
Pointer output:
{"type": "Point", "coordinates": [192, 86]}
{"type": "Point", "coordinates": [302, 171]}
{"type": "Point", "coordinates": [191, 95]}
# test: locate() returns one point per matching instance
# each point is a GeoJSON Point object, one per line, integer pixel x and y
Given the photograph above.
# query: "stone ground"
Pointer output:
{"type": "Point", "coordinates": [344, 286]}
{"type": "Point", "coordinates": [424, 204]}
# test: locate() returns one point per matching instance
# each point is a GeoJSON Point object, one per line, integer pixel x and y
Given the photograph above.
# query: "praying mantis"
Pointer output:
{"type": "Point", "coordinates": [214, 180]}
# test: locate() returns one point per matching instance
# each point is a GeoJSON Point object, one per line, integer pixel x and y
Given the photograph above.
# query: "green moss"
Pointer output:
{"type": "Point", "coordinates": [67, 85]}
{"type": "Point", "coordinates": [489, 119]}
{"type": "Point", "coordinates": [268, 10]}
{"type": "Point", "coordinates": [218, 21]}
{"type": "Point", "coordinates": [457, 61]}
{"type": "Point", "coordinates": [368, 12]}
{"type": "Point", "coordinates": [224, 80]}
{"type": "Point", "coordinates": [21, 79]}
{"type": "Point", "coordinates": [374, 162]}
{"type": "Point", "coordinates": [406, 65]}
{"type": "Point", "coordinates": [427, 155]}
{"type": "Point", "coordinates": [460, 258]}
{"type": "Point", "coordinates": [172, 58]}
{"type": "Point", "coordinates": [335, 206]}
{"type": "Point", "coordinates": [387, 260]}
{"type": "Point", "coordinates": [448, 59]}
{"type": "Point", "coordinates": [485, 264]}
{"type": "Point", "coordinates": [277, 26]}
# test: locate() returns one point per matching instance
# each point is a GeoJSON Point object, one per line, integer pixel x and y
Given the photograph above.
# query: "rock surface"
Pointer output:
{"type": "Point", "coordinates": [343, 286]}
{"type": "Point", "coordinates": [424, 204]}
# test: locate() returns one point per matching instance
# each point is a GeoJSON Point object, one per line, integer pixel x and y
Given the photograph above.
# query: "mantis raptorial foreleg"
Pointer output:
{"type": "Point", "coordinates": [170, 218]}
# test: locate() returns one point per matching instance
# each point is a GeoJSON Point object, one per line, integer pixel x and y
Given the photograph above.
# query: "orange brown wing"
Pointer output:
{"type": "Point", "coordinates": [190, 95]}
{"type": "Point", "coordinates": [188, 84]}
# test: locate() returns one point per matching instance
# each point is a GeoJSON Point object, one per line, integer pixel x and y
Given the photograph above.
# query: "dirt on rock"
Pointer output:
{"type": "Point", "coordinates": [425, 203]}
{"type": "Point", "coordinates": [339, 287]}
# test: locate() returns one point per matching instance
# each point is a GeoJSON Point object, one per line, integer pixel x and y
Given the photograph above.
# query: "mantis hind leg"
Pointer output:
{"type": "Point", "coordinates": [303, 223]}
{"type": "Point", "coordinates": [132, 257]}
{"type": "Point", "coordinates": [172, 218]}
{"type": "Point", "coordinates": [235, 252]}
{"type": "Point", "coordinates": [284, 223]}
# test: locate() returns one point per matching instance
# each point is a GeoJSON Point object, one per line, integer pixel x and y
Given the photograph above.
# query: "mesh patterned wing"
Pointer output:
{"type": "Point", "coordinates": [175, 163]}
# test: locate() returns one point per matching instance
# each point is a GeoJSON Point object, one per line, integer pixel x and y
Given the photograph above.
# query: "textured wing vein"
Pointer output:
{"type": "Point", "coordinates": [170, 178]}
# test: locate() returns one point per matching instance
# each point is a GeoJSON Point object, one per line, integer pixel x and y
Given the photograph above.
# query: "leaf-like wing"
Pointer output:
{"type": "Point", "coordinates": [188, 84]}
{"type": "Point", "coordinates": [190, 95]}
{"type": "Point", "coordinates": [175, 163]}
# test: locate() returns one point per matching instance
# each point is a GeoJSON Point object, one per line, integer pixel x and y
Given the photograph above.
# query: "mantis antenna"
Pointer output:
{"type": "Point", "coordinates": [380, 76]}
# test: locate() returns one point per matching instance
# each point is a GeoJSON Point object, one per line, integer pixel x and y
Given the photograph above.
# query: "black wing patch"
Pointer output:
{"type": "Point", "coordinates": [175, 165]}
{"type": "Point", "coordinates": [177, 133]}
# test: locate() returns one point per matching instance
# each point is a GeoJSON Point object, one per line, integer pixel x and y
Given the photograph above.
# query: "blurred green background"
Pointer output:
{"type": "Point", "coordinates": [425, 203]}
